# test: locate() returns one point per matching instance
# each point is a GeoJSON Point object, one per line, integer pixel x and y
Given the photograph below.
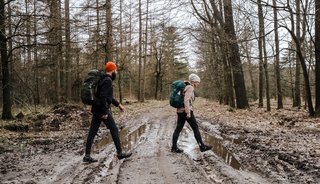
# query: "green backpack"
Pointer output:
{"type": "Point", "coordinates": [89, 87]}
{"type": "Point", "coordinates": [177, 94]}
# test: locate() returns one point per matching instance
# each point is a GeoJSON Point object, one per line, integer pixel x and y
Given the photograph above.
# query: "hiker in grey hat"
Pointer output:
{"type": "Point", "coordinates": [186, 114]}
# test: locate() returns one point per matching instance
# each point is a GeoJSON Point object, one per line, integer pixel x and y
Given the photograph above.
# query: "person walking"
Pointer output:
{"type": "Point", "coordinates": [101, 112]}
{"type": "Point", "coordinates": [186, 114]}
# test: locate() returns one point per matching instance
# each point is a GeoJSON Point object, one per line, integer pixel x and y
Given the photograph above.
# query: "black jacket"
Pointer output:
{"type": "Point", "coordinates": [104, 97]}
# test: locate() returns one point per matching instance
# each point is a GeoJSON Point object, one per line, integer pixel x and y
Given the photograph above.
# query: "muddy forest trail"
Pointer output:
{"type": "Point", "coordinates": [153, 162]}
{"type": "Point", "coordinates": [149, 138]}
{"type": "Point", "coordinates": [242, 152]}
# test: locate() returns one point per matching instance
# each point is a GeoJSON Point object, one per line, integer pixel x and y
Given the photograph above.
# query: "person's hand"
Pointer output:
{"type": "Point", "coordinates": [121, 108]}
{"type": "Point", "coordinates": [104, 116]}
{"type": "Point", "coordinates": [188, 116]}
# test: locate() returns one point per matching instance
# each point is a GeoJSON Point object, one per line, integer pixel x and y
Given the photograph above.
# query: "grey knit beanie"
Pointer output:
{"type": "Point", "coordinates": [194, 78]}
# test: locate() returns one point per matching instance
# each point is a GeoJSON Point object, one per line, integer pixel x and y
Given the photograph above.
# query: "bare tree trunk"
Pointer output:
{"type": "Point", "coordinates": [266, 73]}
{"type": "Point", "coordinates": [291, 73]}
{"type": "Point", "coordinates": [297, 96]}
{"type": "Point", "coordinates": [158, 76]}
{"type": "Point", "coordinates": [97, 36]}
{"type": "Point", "coordinates": [228, 83]}
{"type": "Point", "coordinates": [260, 75]}
{"type": "Point", "coordinates": [36, 70]}
{"type": "Point", "coordinates": [158, 53]}
{"type": "Point", "coordinates": [140, 55]}
{"type": "Point", "coordinates": [120, 62]}
{"type": "Point", "coordinates": [6, 86]}
{"type": "Point", "coordinates": [109, 42]}
{"type": "Point", "coordinates": [304, 69]}
{"type": "Point", "coordinates": [28, 32]}
{"type": "Point", "coordinates": [78, 87]}
{"type": "Point", "coordinates": [262, 46]}
{"type": "Point", "coordinates": [306, 80]}
{"type": "Point", "coordinates": [55, 38]}
{"type": "Point", "coordinates": [277, 59]}
{"type": "Point", "coordinates": [68, 61]}
{"type": "Point", "coordinates": [145, 54]}
{"type": "Point", "coordinates": [130, 46]}
{"type": "Point", "coordinates": [213, 65]}
{"type": "Point", "coordinates": [229, 96]}
{"type": "Point", "coordinates": [10, 41]}
{"type": "Point", "coordinates": [317, 54]}
{"type": "Point", "coordinates": [239, 84]}
{"type": "Point", "coordinates": [253, 83]}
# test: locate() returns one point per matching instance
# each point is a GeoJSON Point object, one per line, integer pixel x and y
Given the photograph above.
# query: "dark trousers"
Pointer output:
{"type": "Point", "coordinates": [182, 117]}
{"type": "Point", "coordinates": [111, 125]}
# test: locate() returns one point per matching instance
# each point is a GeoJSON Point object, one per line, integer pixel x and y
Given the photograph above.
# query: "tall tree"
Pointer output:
{"type": "Point", "coordinates": [297, 96]}
{"type": "Point", "coordinates": [109, 42]}
{"type": "Point", "coordinates": [55, 40]}
{"type": "Point", "coordinates": [262, 46]}
{"type": "Point", "coordinates": [229, 48]}
{"type": "Point", "coordinates": [317, 54]}
{"type": "Point", "coordinates": [239, 84]}
{"type": "Point", "coordinates": [97, 36]}
{"type": "Point", "coordinates": [140, 97]}
{"type": "Point", "coordinates": [145, 53]}
{"type": "Point", "coordinates": [68, 61]}
{"type": "Point", "coordinates": [298, 43]}
{"type": "Point", "coordinates": [228, 83]}
{"type": "Point", "coordinates": [158, 48]}
{"type": "Point", "coordinates": [229, 96]}
{"type": "Point", "coordinates": [277, 56]}
{"type": "Point", "coordinates": [35, 51]}
{"type": "Point", "coordinates": [120, 62]}
{"type": "Point", "coordinates": [6, 82]}
{"type": "Point", "coordinates": [28, 32]}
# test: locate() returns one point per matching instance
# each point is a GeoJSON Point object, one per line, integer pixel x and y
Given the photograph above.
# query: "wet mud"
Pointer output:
{"type": "Point", "coordinates": [244, 151]}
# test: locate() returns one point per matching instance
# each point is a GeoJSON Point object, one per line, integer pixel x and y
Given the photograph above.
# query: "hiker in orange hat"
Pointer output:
{"type": "Point", "coordinates": [102, 113]}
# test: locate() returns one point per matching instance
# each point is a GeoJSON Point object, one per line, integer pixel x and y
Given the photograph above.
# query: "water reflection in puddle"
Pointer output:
{"type": "Point", "coordinates": [190, 145]}
{"type": "Point", "coordinates": [221, 151]}
{"type": "Point", "coordinates": [128, 140]}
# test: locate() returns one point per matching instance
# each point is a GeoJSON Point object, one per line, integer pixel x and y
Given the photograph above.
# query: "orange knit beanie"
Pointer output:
{"type": "Point", "coordinates": [110, 66]}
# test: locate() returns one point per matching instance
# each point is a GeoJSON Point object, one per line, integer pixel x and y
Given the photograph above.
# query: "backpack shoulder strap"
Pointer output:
{"type": "Point", "coordinates": [101, 80]}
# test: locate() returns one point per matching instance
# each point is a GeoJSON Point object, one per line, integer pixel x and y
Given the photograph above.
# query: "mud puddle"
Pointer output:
{"type": "Point", "coordinates": [221, 151]}
{"type": "Point", "coordinates": [190, 146]}
{"type": "Point", "coordinates": [128, 140]}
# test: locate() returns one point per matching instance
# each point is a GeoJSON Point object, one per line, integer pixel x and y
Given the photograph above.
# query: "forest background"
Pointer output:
{"type": "Point", "coordinates": [244, 51]}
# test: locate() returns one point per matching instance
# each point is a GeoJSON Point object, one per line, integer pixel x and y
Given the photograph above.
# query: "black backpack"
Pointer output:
{"type": "Point", "coordinates": [89, 86]}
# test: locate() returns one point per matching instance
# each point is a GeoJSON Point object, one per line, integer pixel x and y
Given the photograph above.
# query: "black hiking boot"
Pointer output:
{"type": "Point", "coordinates": [204, 148]}
{"type": "Point", "coordinates": [176, 150]}
{"type": "Point", "coordinates": [123, 155]}
{"type": "Point", "coordinates": [89, 159]}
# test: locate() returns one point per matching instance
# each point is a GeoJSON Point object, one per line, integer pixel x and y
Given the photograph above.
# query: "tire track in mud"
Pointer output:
{"type": "Point", "coordinates": [153, 162]}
